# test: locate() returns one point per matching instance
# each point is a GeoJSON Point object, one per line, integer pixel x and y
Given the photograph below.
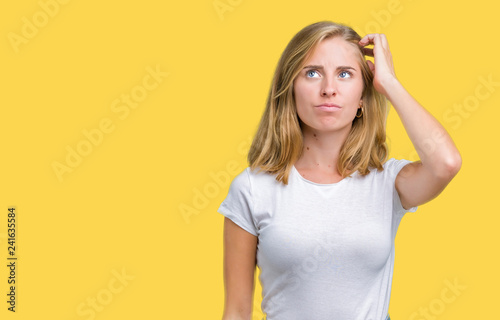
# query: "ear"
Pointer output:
{"type": "Point", "coordinates": [371, 65]}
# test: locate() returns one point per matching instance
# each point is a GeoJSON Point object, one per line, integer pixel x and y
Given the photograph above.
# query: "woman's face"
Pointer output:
{"type": "Point", "coordinates": [331, 76]}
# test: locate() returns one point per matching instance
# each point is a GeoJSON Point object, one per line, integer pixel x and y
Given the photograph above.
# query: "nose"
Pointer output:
{"type": "Point", "coordinates": [328, 88]}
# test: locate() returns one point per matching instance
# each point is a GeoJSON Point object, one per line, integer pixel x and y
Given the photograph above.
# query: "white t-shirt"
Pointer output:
{"type": "Point", "coordinates": [325, 251]}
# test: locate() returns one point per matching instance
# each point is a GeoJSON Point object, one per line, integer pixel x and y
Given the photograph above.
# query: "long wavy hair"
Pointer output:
{"type": "Point", "coordinates": [278, 142]}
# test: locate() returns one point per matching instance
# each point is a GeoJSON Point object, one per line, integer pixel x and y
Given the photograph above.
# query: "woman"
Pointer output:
{"type": "Point", "coordinates": [318, 208]}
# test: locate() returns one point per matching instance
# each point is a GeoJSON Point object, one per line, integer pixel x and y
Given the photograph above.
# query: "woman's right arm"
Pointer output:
{"type": "Point", "coordinates": [240, 248]}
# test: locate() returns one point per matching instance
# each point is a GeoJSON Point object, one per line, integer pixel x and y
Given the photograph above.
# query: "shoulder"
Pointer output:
{"type": "Point", "coordinates": [240, 186]}
{"type": "Point", "coordinates": [392, 166]}
{"type": "Point", "coordinates": [387, 174]}
{"type": "Point", "coordinates": [253, 179]}
{"type": "Point", "coordinates": [261, 178]}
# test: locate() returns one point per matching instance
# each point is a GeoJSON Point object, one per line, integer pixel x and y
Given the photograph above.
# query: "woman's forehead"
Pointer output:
{"type": "Point", "coordinates": [333, 50]}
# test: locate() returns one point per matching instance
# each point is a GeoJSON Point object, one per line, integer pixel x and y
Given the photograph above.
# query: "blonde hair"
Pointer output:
{"type": "Point", "coordinates": [278, 142]}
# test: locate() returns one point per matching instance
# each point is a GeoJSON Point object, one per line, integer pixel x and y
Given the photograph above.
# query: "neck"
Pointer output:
{"type": "Point", "coordinates": [321, 149]}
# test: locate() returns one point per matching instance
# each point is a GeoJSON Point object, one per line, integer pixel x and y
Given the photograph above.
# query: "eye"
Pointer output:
{"type": "Point", "coordinates": [345, 74]}
{"type": "Point", "coordinates": [310, 73]}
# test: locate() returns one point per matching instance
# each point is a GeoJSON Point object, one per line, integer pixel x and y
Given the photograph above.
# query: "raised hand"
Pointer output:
{"type": "Point", "coordinates": [383, 69]}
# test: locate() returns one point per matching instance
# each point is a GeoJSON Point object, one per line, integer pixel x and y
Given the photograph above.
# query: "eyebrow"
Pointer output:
{"type": "Point", "coordinates": [321, 67]}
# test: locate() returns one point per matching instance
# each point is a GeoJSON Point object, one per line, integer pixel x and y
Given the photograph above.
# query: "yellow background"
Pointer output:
{"type": "Point", "coordinates": [119, 209]}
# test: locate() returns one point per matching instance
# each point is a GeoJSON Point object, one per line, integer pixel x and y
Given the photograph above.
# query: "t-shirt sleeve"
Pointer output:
{"type": "Point", "coordinates": [238, 204]}
{"type": "Point", "coordinates": [394, 167]}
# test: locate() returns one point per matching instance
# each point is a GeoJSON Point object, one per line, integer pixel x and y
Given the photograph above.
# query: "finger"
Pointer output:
{"type": "Point", "coordinates": [369, 38]}
{"type": "Point", "coordinates": [383, 41]}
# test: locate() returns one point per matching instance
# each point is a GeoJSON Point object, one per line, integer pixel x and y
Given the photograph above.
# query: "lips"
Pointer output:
{"type": "Point", "coordinates": [329, 107]}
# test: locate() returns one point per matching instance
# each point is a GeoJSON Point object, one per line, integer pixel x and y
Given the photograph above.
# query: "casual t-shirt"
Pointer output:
{"type": "Point", "coordinates": [325, 251]}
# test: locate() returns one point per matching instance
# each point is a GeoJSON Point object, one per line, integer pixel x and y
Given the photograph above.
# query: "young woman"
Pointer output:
{"type": "Point", "coordinates": [318, 208]}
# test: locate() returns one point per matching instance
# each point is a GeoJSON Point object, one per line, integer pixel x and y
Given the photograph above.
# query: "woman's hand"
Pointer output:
{"type": "Point", "coordinates": [420, 181]}
{"type": "Point", "coordinates": [383, 69]}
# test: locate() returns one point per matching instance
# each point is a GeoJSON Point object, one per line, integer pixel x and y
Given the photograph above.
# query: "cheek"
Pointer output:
{"type": "Point", "coordinates": [301, 94]}
{"type": "Point", "coordinates": [353, 91]}
{"type": "Point", "coordinates": [301, 100]}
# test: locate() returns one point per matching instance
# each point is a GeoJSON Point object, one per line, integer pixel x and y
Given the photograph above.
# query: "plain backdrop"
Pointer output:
{"type": "Point", "coordinates": [123, 123]}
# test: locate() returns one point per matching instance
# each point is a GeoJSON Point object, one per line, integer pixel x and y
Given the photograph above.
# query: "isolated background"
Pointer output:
{"type": "Point", "coordinates": [142, 198]}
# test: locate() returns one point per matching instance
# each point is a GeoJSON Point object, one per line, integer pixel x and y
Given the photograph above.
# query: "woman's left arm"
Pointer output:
{"type": "Point", "coordinates": [421, 181]}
